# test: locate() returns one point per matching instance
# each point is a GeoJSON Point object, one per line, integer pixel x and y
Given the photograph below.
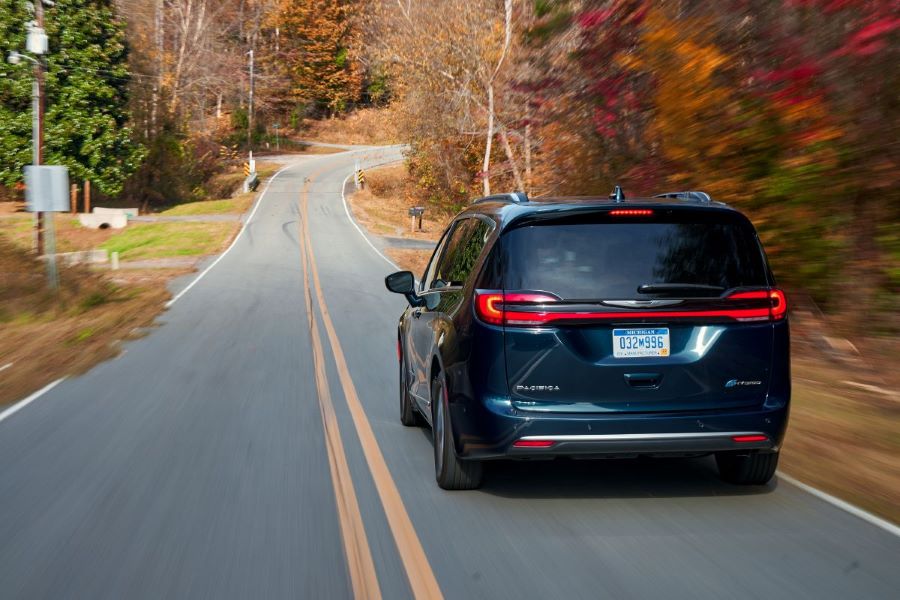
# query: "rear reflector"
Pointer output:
{"type": "Point", "coordinates": [533, 443]}
{"type": "Point", "coordinates": [750, 438]}
{"type": "Point", "coordinates": [631, 212]}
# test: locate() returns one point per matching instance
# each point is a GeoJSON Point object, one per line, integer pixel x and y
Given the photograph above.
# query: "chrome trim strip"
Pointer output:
{"type": "Point", "coordinates": [642, 303]}
{"type": "Point", "coordinates": [639, 436]}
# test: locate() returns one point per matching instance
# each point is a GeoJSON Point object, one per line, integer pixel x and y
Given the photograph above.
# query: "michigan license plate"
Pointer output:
{"type": "Point", "coordinates": [635, 343]}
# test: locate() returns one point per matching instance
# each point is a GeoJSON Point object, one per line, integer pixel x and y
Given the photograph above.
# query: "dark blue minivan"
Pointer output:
{"type": "Point", "coordinates": [596, 327]}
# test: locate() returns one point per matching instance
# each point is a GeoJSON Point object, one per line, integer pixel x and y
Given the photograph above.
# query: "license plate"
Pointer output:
{"type": "Point", "coordinates": [634, 343]}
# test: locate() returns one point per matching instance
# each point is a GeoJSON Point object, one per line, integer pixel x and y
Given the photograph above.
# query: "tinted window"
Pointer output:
{"type": "Point", "coordinates": [461, 253]}
{"type": "Point", "coordinates": [432, 264]}
{"type": "Point", "coordinates": [604, 259]}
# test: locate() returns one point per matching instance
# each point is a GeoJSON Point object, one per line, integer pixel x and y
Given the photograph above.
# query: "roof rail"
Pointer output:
{"type": "Point", "coordinates": [689, 195]}
{"type": "Point", "coordinates": [512, 197]}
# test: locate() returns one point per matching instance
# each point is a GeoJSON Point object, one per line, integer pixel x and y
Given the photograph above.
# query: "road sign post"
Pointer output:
{"type": "Point", "coordinates": [47, 191]}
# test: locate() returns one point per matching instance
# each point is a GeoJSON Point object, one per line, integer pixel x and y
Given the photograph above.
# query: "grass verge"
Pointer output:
{"type": "Point", "coordinates": [237, 204]}
{"type": "Point", "coordinates": [144, 241]}
{"type": "Point", "coordinates": [46, 335]}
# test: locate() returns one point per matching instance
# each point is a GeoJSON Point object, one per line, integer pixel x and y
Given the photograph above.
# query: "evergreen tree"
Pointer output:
{"type": "Point", "coordinates": [86, 94]}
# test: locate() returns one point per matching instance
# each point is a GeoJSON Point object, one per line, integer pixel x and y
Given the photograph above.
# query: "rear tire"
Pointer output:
{"type": "Point", "coordinates": [747, 469]}
{"type": "Point", "coordinates": [451, 473]}
{"type": "Point", "coordinates": [408, 414]}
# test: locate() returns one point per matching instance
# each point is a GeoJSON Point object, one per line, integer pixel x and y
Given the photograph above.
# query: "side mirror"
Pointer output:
{"type": "Point", "coordinates": [403, 282]}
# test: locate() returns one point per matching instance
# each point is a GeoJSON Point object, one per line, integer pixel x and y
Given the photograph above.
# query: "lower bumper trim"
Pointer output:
{"type": "Point", "coordinates": [644, 443]}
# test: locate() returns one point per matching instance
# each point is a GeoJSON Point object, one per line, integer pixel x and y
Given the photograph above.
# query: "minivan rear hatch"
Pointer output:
{"type": "Point", "coordinates": [652, 309]}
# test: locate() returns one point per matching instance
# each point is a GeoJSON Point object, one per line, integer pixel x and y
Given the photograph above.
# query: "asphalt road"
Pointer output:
{"type": "Point", "coordinates": [199, 465]}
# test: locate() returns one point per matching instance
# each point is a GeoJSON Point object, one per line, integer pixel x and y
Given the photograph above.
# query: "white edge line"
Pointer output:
{"type": "Point", "coordinates": [6, 366]}
{"type": "Point", "coordinates": [23, 403]}
{"type": "Point", "coordinates": [353, 221]}
{"type": "Point", "coordinates": [843, 505]}
{"type": "Point", "coordinates": [234, 241]}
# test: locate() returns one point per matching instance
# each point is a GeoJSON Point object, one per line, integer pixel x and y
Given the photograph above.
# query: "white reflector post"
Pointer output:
{"type": "Point", "coordinates": [47, 188]}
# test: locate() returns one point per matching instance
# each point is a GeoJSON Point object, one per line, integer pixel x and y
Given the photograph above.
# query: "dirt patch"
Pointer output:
{"type": "Point", "coordinates": [70, 235]}
{"type": "Point", "coordinates": [383, 206]}
{"type": "Point", "coordinates": [843, 439]}
{"type": "Point", "coordinates": [410, 260]}
{"type": "Point", "coordinates": [368, 126]}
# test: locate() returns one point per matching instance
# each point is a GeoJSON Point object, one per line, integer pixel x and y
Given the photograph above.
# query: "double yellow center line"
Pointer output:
{"type": "Point", "coordinates": [363, 577]}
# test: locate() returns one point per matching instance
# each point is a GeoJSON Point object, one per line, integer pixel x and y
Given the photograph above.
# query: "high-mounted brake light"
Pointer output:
{"type": "Point", "coordinates": [631, 212]}
{"type": "Point", "coordinates": [743, 439]}
{"type": "Point", "coordinates": [533, 443]}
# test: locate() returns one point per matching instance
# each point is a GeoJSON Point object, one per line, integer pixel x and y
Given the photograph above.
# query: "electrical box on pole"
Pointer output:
{"type": "Point", "coordinates": [37, 43]}
{"type": "Point", "coordinates": [47, 188]}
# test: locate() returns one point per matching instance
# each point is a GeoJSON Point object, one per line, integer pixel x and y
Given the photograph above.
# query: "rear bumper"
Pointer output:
{"type": "Point", "coordinates": [491, 430]}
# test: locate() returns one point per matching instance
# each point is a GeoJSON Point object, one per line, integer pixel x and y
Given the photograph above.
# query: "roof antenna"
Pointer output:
{"type": "Point", "coordinates": [617, 194]}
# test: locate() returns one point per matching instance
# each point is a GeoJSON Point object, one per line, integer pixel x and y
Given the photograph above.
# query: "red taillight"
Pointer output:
{"type": "Point", "coordinates": [491, 305]}
{"type": "Point", "coordinates": [525, 309]}
{"type": "Point", "coordinates": [488, 309]}
{"type": "Point", "coordinates": [631, 212]}
{"type": "Point", "coordinates": [533, 443]}
{"type": "Point", "coordinates": [750, 438]}
{"type": "Point", "coordinates": [779, 304]}
{"type": "Point", "coordinates": [399, 355]}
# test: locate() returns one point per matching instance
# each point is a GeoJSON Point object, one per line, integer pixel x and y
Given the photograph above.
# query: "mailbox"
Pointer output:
{"type": "Point", "coordinates": [415, 213]}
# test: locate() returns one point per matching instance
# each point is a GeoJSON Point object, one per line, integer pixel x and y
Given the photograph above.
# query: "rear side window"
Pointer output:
{"type": "Point", "coordinates": [460, 254]}
{"type": "Point", "coordinates": [597, 257]}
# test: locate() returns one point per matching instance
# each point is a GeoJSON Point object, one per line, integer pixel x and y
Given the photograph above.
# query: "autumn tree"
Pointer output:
{"type": "Point", "coordinates": [451, 63]}
{"type": "Point", "coordinates": [317, 37]}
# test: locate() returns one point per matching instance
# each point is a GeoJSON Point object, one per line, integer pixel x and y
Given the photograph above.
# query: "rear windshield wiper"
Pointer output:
{"type": "Point", "coordinates": [674, 288]}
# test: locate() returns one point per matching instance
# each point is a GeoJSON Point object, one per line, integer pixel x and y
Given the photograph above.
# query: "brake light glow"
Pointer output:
{"type": "Point", "coordinates": [750, 438]}
{"type": "Point", "coordinates": [631, 212]}
{"type": "Point", "coordinates": [533, 443]}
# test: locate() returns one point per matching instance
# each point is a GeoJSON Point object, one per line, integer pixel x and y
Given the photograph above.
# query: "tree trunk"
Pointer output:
{"type": "Point", "coordinates": [527, 144]}
{"type": "Point", "coordinates": [520, 186]}
{"type": "Point", "coordinates": [488, 143]}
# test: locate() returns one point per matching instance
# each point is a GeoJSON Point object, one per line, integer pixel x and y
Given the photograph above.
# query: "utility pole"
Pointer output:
{"type": "Point", "coordinates": [38, 117]}
{"type": "Point", "coordinates": [250, 109]}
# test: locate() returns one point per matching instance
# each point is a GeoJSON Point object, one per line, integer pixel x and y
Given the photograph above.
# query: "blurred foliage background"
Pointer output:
{"type": "Point", "coordinates": [787, 109]}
